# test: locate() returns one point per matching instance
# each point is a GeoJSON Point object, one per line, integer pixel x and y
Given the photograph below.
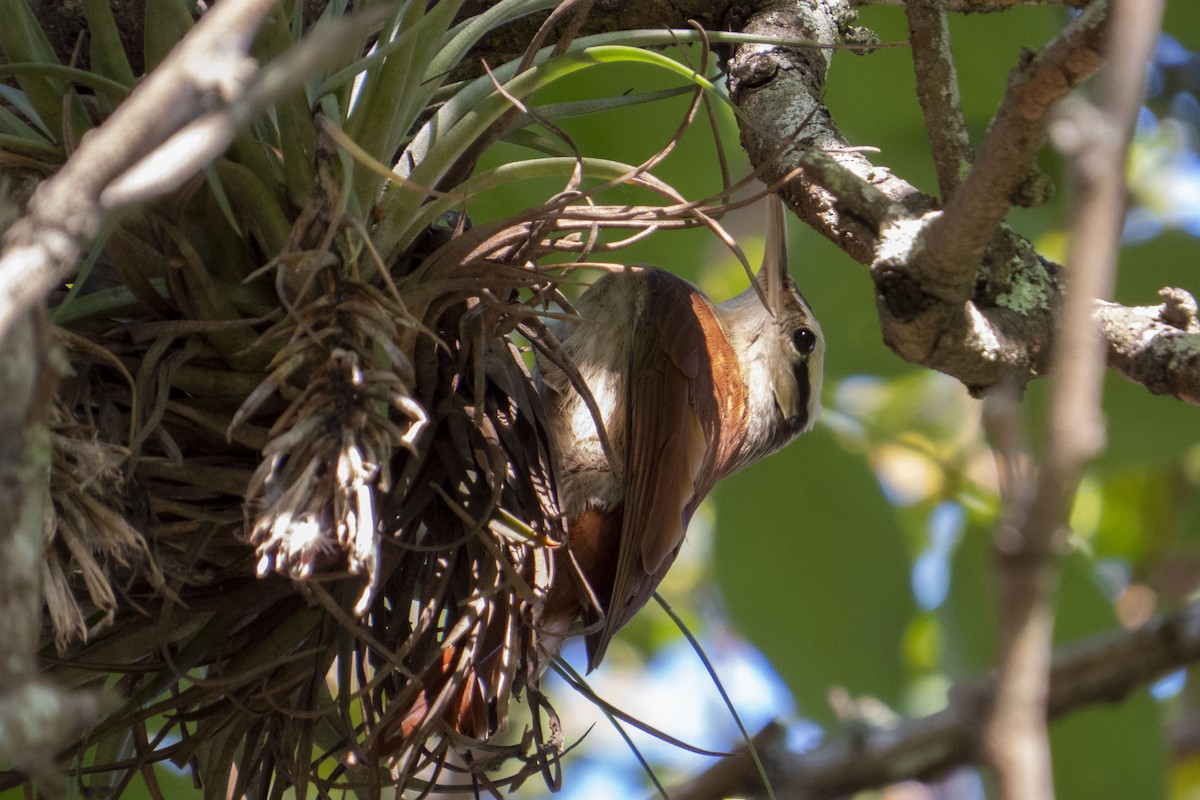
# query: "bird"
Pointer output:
{"type": "Point", "coordinates": [688, 392]}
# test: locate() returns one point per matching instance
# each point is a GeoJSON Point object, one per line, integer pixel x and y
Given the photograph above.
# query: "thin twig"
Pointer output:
{"type": "Point", "coordinates": [955, 242]}
{"type": "Point", "coordinates": [937, 90]}
{"type": "Point", "coordinates": [1015, 739]}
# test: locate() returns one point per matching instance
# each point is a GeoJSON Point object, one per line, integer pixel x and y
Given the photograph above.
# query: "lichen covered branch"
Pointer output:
{"type": "Point", "coordinates": [955, 241]}
{"type": "Point", "coordinates": [997, 321]}
{"type": "Point", "coordinates": [937, 90]}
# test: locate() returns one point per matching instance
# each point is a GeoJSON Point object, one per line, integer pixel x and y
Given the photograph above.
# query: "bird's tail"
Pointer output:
{"type": "Point", "coordinates": [461, 695]}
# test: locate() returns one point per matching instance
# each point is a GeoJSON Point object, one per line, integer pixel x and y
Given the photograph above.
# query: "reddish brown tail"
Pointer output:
{"type": "Point", "coordinates": [452, 698]}
{"type": "Point", "coordinates": [461, 697]}
{"type": "Point", "coordinates": [457, 694]}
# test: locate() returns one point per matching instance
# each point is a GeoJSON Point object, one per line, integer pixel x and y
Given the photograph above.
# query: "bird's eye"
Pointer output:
{"type": "Point", "coordinates": [805, 341]}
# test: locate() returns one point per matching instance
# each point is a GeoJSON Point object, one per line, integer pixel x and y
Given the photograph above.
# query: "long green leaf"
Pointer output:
{"type": "Point", "coordinates": [166, 22]}
{"type": "Point", "coordinates": [255, 149]}
{"type": "Point", "coordinates": [466, 117]}
{"type": "Point", "coordinates": [584, 108]}
{"type": "Point", "coordinates": [382, 97]}
{"type": "Point", "coordinates": [106, 52]}
{"type": "Point", "coordinates": [254, 202]}
{"type": "Point", "coordinates": [661, 37]}
{"type": "Point", "coordinates": [112, 89]}
{"type": "Point", "coordinates": [85, 270]}
{"type": "Point", "coordinates": [33, 144]}
{"type": "Point", "coordinates": [17, 99]}
{"type": "Point", "coordinates": [392, 95]}
{"type": "Point", "coordinates": [295, 134]}
{"type": "Point", "coordinates": [466, 34]}
{"type": "Point", "coordinates": [22, 39]}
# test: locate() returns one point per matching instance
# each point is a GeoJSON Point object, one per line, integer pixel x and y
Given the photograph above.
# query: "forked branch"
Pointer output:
{"type": "Point", "coordinates": [956, 291]}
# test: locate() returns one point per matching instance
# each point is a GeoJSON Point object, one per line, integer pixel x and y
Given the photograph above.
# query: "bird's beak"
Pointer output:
{"type": "Point", "coordinates": [773, 271]}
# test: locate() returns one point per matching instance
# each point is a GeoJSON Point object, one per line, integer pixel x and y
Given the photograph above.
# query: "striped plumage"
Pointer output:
{"type": "Point", "coordinates": [689, 392]}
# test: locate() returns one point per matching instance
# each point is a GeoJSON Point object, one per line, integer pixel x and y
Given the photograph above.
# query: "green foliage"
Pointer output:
{"type": "Point", "coordinates": [23, 42]}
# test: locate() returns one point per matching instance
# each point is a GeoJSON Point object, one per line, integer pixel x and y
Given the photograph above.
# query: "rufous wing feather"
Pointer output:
{"type": "Point", "coordinates": [666, 447]}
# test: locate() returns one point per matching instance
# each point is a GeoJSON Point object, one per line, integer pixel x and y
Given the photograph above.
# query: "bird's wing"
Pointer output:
{"type": "Point", "coordinates": [668, 395]}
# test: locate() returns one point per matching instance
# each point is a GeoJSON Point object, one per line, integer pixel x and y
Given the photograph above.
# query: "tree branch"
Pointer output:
{"type": "Point", "coordinates": [1006, 328]}
{"type": "Point", "coordinates": [1156, 346]}
{"type": "Point", "coordinates": [1102, 669]}
{"type": "Point", "coordinates": [953, 243]}
{"type": "Point", "coordinates": [981, 6]}
{"type": "Point", "coordinates": [937, 90]}
{"type": "Point", "coordinates": [210, 64]}
{"type": "Point", "coordinates": [779, 93]}
{"type": "Point", "coordinates": [1038, 505]}
{"type": "Point", "coordinates": [37, 719]}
